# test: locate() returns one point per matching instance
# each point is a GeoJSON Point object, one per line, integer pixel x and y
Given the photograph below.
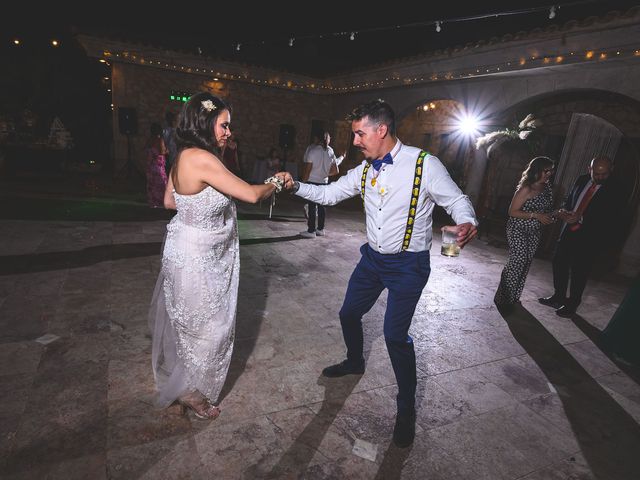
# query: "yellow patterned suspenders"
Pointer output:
{"type": "Point", "coordinates": [363, 182]}
{"type": "Point", "coordinates": [415, 193]}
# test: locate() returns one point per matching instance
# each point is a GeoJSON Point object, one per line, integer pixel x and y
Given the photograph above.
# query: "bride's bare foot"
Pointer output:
{"type": "Point", "coordinates": [201, 406]}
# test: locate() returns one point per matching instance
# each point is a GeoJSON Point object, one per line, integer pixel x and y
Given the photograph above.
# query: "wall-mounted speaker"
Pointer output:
{"type": "Point", "coordinates": [127, 120]}
{"type": "Point", "coordinates": [287, 136]}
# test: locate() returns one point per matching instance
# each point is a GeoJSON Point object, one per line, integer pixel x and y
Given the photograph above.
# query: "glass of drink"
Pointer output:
{"type": "Point", "coordinates": [449, 246]}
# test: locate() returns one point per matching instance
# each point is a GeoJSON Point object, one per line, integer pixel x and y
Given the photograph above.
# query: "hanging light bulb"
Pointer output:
{"type": "Point", "coordinates": [199, 51]}
{"type": "Point", "coordinates": [291, 41]}
{"type": "Point", "coordinates": [552, 12]}
{"type": "Point", "coordinates": [352, 36]}
{"type": "Point", "coordinates": [438, 27]}
{"type": "Point", "coordinates": [238, 47]}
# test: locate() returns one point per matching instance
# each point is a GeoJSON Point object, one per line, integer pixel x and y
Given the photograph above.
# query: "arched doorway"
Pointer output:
{"type": "Point", "coordinates": [434, 126]}
{"type": "Point", "coordinates": [555, 112]}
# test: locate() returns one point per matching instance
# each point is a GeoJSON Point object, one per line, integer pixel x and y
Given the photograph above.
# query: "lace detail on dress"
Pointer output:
{"type": "Point", "coordinates": [200, 267]}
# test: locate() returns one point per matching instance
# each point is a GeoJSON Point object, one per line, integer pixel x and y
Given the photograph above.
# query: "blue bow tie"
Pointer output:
{"type": "Point", "coordinates": [386, 159]}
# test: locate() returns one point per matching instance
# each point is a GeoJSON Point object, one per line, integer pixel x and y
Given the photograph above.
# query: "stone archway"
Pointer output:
{"type": "Point", "coordinates": [432, 125]}
{"type": "Point", "coordinates": [555, 111]}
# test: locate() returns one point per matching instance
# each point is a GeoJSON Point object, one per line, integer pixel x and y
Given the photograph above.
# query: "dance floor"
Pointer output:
{"type": "Point", "coordinates": [524, 395]}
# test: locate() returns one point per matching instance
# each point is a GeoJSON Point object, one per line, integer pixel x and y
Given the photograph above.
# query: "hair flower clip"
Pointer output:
{"type": "Point", "coordinates": [208, 105]}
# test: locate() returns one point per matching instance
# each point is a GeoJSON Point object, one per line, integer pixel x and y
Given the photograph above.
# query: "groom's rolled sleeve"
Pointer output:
{"type": "Point", "coordinates": [345, 187]}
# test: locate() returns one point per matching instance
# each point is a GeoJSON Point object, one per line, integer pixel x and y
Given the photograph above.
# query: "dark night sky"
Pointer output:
{"type": "Point", "coordinates": [381, 34]}
{"type": "Point", "coordinates": [264, 31]}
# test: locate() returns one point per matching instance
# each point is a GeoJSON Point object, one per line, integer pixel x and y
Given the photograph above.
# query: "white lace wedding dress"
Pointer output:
{"type": "Point", "coordinates": [193, 310]}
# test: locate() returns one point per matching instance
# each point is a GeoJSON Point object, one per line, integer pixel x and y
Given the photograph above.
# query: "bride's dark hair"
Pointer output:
{"type": "Point", "coordinates": [196, 124]}
{"type": "Point", "coordinates": [197, 121]}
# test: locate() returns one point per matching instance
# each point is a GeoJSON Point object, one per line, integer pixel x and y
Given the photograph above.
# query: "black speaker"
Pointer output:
{"type": "Point", "coordinates": [127, 120]}
{"type": "Point", "coordinates": [287, 136]}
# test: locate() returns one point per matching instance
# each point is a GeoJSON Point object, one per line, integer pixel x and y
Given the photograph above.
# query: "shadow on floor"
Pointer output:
{"type": "Point", "coordinates": [608, 436]}
{"type": "Point", "coordinates": [265, 216]}
{"type": "Point", "coordinates": [595, 335]}
{"type": "Point", "coordinates": [296, 460]}
{"type": "Point", "coordinates": [255, 241]}
{"type": "Point", "coordinates": [306, 445]}
{"type": "Point", "coordinates": [42, 262]}
{"type": "Point", "coordinates": [82, 209]}
{"type": "Point", "coordinates": [393, 463]}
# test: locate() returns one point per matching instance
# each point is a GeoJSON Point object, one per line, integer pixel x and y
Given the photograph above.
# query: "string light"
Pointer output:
{"type": "Point", "coordinates": [291, 40]}
{"type": "Point", "coordinates": [238, 47]}
{"type": "Point", "coordinates": [16, 41]}
{"type": "Point", "coordinates": [54, 43]}
{"type": "Point", "coordinates": [552, 12]}
{"type": "Point", "coordinates": [478, 70]}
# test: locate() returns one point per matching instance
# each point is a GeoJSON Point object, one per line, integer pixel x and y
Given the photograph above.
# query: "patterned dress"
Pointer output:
{"type": "Point", "coordinates": [523, 237]}
{"type": "Point", "coordinates": [156, 176]}
{"type": "Point", "coordinates": [193, 310]}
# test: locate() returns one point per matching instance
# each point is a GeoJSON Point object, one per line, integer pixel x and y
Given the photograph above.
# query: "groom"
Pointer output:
{"type": "Point", "coordinates": [399, 186]}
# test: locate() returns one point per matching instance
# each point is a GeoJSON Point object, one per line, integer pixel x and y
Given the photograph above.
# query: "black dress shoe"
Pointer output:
{"type": "Point", "coordinates": [343, 368]}
{"type": "Point", "coordinates": [552, 301]}
{"type": "Point", "coordinates": [565, 311]}
{"type": "Point", "coordinates": [405, 430]}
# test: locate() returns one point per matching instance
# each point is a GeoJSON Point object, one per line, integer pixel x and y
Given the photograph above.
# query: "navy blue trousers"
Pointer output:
{"type": "Point", "coordinates": [405, 275]}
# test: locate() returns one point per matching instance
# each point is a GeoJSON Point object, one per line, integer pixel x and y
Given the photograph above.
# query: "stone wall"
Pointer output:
{"type": "Point", "coordinates": [258, 111]}
{"type": "Point", "coordinates": [553, 91]}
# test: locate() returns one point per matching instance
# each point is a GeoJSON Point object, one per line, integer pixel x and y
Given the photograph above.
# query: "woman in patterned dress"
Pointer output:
{"type": "Point", "coordinates": [192, 315]}
{"type": "Point", "coordinates": [529, 211]}
{"type": "Point", "coordinates": [156, 176]}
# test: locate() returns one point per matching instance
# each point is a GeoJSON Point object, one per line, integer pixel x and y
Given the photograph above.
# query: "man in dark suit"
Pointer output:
{"type": "Point", "coordinates": [589, 212]}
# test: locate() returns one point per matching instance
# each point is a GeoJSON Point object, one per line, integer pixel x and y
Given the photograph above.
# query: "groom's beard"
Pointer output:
{"type": "Point", "coordinates": [368, 159]}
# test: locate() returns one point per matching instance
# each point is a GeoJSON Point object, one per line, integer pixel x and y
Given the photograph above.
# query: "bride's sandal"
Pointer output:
{"type": "Point", "coordinates": [201, 408]}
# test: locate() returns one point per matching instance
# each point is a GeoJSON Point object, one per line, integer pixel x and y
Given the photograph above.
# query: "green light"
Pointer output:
{"type": "Point", "coordinates": [179, 96]}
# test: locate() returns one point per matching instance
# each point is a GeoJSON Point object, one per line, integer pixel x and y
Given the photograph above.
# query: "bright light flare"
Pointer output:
{"type": "Point", "coordinates": [468, 125]}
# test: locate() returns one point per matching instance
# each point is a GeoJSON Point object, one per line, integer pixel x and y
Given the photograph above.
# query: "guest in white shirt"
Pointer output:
{"type": "Point", "coordinates": [399, 185]}
{"type": "Point", "coordinates": [320, 162]}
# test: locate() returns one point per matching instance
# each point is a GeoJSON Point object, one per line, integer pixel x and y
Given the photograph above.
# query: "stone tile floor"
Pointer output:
{"type": "Point", "coordinates": [528, 395]}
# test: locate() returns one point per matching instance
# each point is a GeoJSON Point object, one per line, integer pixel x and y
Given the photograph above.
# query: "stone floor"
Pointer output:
{"type": "Point", "coordinates": [528, 395]}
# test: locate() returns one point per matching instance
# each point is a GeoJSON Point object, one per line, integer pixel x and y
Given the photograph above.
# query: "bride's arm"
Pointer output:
{"type": "Point", "coordinates": [169, 200]}
{"type": "Point", "coordinates": [211, 171]}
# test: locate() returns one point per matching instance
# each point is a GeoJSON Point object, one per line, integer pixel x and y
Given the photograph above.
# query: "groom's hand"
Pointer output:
{"type": "Point", "coordinates": [465, 232]}
{"type": "Point", "coordinates": [287, 179]}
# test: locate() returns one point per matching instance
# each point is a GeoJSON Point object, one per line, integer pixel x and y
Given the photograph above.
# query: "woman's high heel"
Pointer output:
{"type": "Point", "coordinates": [202, 408]}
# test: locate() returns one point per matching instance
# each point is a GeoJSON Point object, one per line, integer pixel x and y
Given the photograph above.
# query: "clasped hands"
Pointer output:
{"type": "Point", "coordinates": [569, 217]}
{"type": "Point", "coordinates": [287, 180]}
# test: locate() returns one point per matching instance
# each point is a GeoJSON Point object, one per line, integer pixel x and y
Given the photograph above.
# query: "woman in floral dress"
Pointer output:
{"type": "Point", "coordinates": [529, 211]}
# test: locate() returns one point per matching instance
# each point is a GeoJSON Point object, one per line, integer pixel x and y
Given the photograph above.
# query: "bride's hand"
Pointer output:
{"type": "Point", "coordinates": [287, 179]}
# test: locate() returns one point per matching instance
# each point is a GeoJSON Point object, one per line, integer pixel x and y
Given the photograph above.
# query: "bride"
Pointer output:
{"type": "Point", "coordinates": [192, 314]}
